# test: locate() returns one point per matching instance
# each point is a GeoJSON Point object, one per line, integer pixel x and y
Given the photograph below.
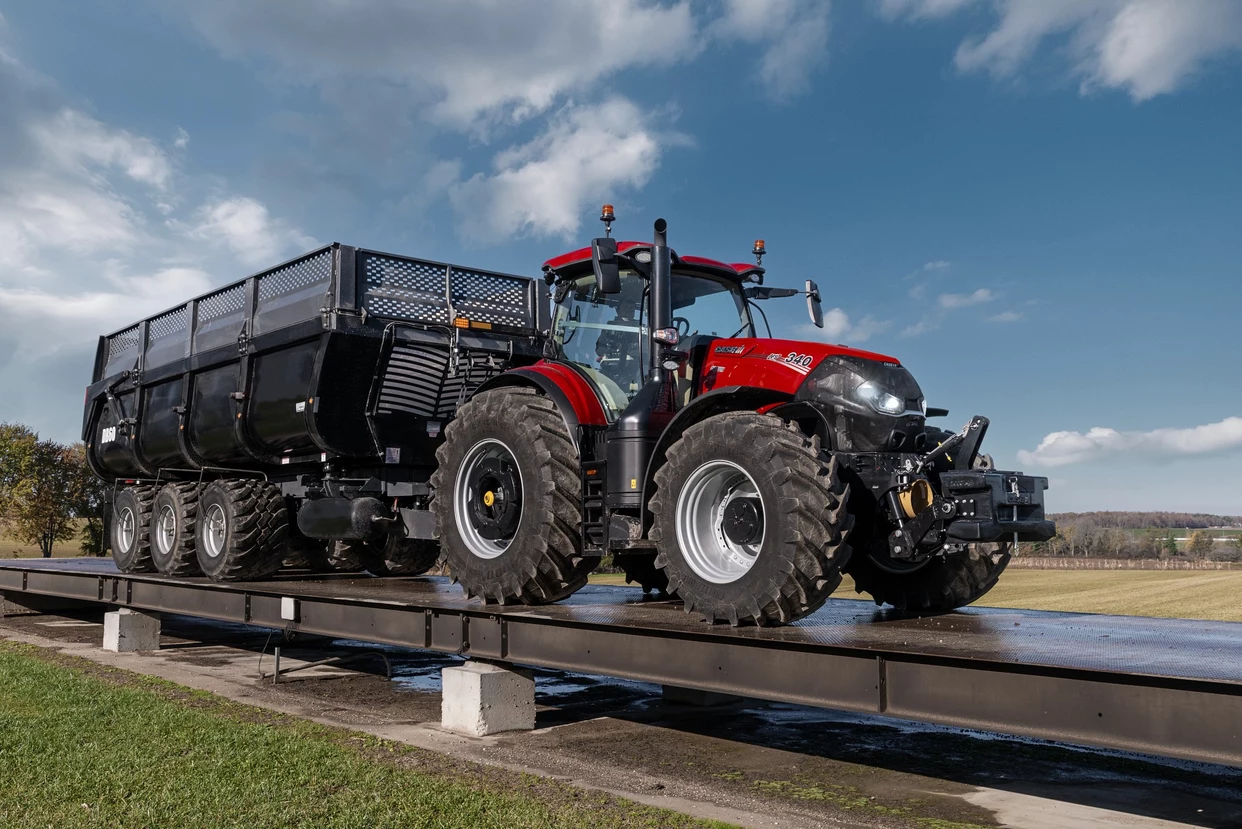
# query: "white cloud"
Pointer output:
{"type": "Point", "coordinates": [839, 328]}
{"type": "Point", "coordinates": [543, 187]}
{"type": "Point", "coordinates": [1143, 47]}
{"type": "Point", "coordinates": [1061, 448]}
{"type": "Point", "coordinates": [182, 140]}
{"type": "Point", "coordinates": [965, 300]}
{"type": "Point", "coordinates": [469, 59]}
{"type": "Point", "coordinates": [1006, 316]}
{"type": "Point", "coordinates": [936, 265]}
{"type": "Point", "coordinates": [794, 34]}
{"type": "Point", "coordinates": [245, 227]}
{"type": "Point", "coordinates": [74, 140]}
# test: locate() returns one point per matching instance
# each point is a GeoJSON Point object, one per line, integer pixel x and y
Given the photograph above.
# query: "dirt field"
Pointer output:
{"type": "Point", "coordinates": [1170, 594]}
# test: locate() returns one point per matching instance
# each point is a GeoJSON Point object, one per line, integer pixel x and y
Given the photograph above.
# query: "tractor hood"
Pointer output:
{"type": "Point", "coordinates": [871, 402]}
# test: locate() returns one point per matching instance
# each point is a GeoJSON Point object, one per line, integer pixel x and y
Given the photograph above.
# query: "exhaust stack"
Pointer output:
{"type": "Point", "coordinates": [661, 291]}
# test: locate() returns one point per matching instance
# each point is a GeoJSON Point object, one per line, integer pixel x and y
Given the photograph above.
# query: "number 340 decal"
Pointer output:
{"type": "Point", "coordinates": [800, 363]}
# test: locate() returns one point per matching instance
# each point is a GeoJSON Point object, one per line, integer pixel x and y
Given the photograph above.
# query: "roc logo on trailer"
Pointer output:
{"type": "Point", "coordinates": [108, 435]}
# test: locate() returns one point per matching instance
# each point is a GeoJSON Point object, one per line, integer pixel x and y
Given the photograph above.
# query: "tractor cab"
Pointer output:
{"type": "Point", "coordinates": [607, 336]}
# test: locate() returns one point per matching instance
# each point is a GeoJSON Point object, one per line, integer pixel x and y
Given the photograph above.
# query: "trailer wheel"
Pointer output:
{"type": "Point", "coordinates": [508, 500]}
{"type": "Point", "coordinates": [943, 583]}
{"type": "Point", "coordinates": [174, 515]}
{"type": "Point", "coordinates": [395, 556]}
{"type": "Point", "coordinates": [242, 529]}
{"type": "Point", "coordinates": [131, 527]}
{"type": "Point", "coordinates": [751, 522]}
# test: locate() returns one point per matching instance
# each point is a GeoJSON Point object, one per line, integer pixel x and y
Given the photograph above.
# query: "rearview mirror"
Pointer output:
{"type": "Point", "coordinates": [604, 261]}
{"type": "Point", "coordinates": [812, 304]}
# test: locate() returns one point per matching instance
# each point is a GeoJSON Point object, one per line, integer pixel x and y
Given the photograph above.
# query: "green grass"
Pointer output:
{"type": "Point", "coordinates": [96, 747]}
{"type": "Point", "coordinates": [1176, 594]}
{"type": "Point", "coordinates": [10, 547]}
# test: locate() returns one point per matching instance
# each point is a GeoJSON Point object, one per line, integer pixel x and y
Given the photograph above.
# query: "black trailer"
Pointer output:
{"type": "Point", "coordinates": [329, 375]}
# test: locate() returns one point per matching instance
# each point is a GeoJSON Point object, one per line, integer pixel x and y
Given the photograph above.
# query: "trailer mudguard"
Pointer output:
{"type": "Point", "coordinates": [716, 401]}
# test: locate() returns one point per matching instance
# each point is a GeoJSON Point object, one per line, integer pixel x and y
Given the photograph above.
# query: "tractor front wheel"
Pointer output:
{"type": "Point", "coordinates": [751, 521]}
{"type": "Point", "coordinates": [941, 584]}
{"type": "Point", "coordinates": [508, 500]}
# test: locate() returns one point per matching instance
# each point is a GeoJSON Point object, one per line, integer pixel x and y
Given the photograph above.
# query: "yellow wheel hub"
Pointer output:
{"type": "Point", "coordinates": [489, 498]}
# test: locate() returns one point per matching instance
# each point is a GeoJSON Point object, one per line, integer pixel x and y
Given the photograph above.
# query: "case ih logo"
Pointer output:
{"type": "Point", "coordinates": [730, 349]}
{"type": "Point", "coordinates": [800, 363]}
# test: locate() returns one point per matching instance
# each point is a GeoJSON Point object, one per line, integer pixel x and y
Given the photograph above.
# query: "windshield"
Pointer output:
{"type": "Point", "coordinates": [606, 335]}
{"type": "Point", "coordinates": [709, 308]}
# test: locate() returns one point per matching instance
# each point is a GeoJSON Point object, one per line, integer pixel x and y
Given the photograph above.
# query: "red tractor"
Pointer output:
{"type": "Point", "coordinates": [744, 474]}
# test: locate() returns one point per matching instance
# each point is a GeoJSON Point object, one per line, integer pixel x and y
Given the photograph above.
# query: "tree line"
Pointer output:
{"type": "Point", "coordinates": [1147, 520]}
{"type": "Point", "coordinates": [48, 493]}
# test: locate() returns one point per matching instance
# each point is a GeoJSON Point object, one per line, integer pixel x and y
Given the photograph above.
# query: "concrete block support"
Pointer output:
{"type": "Point", "coordinates": [128, 630]}
{"type": "Point", "coordinates": [480, 699]}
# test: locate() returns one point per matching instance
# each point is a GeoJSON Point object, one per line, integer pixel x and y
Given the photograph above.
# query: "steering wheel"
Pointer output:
{"type": "Point", "coordinates": [679, 322]}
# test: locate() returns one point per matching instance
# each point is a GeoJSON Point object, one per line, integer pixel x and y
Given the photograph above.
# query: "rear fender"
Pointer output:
{"type": "Point", "coordinates": [573, 396]}
{"type": "Point", "coordinates": [717, 401]}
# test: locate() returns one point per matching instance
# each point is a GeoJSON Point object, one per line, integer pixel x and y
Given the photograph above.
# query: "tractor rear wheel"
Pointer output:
{"type": "Point", "coordinates": [174, 515]}
{"type": "Point", "coordinates": [508, 500]}
{"type": "Point", "coordinates": [131, 529]}
{"type": "Point", "coordinates": [751, 521]}
{"type": "Point", "coordinates": [243, 527]}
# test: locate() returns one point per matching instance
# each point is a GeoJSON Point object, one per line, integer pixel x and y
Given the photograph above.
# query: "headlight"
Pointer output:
{"type": "Point", "coordinates": [882, 400]}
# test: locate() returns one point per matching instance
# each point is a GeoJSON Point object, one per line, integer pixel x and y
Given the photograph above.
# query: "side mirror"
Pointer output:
{"type": "Point", "coordinates": [812, 304]}
{"type": "Point", "coordinates": [607, 269]}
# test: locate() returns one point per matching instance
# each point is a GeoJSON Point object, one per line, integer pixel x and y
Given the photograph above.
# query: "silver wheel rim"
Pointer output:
{"type": "Point", "coordinates": [125, 528]}
{"type": "Point", "coordinates": [485, 548]}
{"type": "Point", "coordinates": [165, 530]}
{"type": "Point", "coordinates": [700, 522]}
{"type": "Point", "coordinates": [214, 531]}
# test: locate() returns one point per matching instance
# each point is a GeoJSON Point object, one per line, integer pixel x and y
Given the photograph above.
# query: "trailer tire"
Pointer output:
{"type": "Point", "coordinates": [174, 516]}
{"type": "Point", "coordinates": [540, 559]}
{"type": "Point", "coordinates": [131, 529]}
{"type": "Point", "coordinates": [243, 527]}
{"type": "Point", "coordinates": [944, 583]}
{"type": "Point", "coordinates": [396, 556]}
{"type": "Point", "coordinates": [801, 520]}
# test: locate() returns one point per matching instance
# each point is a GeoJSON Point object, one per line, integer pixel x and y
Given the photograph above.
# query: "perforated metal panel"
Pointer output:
{"type": "Point", "coordinates": [122, 351]}
{"type": "Point", "coordinates": [295, 293]}
{"type": "Point", "coordinates": [315, 270]}
{"type": "Point", "coordinates": [220, 318]}
{"type": "Point", "coordinates": [229, 301]}
{"type": "Point", "coordinates": [167, 336]}
{"type": "Point", "coordinates": [406, 289]}
{"type": "Point", "coordinates": [490, 297]}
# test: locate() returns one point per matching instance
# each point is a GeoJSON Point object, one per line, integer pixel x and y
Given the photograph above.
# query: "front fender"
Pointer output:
{"type": "Point", "coordinates": [716, 401]}
{"type": "Point", "coordinates": [573, 397]}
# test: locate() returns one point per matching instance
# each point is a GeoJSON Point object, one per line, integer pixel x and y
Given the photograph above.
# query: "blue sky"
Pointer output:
{"type": "Point", "coordinates": [1034, 204]}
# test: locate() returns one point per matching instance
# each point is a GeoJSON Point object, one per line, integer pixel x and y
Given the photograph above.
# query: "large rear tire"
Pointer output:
{"type": "Point", "coordinates": [131, 529]}
{"type": "Point", "coordinates": [751, 521]}
{"type": "Point", "coordinates": [508, 500]}
{"type": "Point", "coordinates": [174, 516]}
{"type": "Point", "coordinates": [242, 529]}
